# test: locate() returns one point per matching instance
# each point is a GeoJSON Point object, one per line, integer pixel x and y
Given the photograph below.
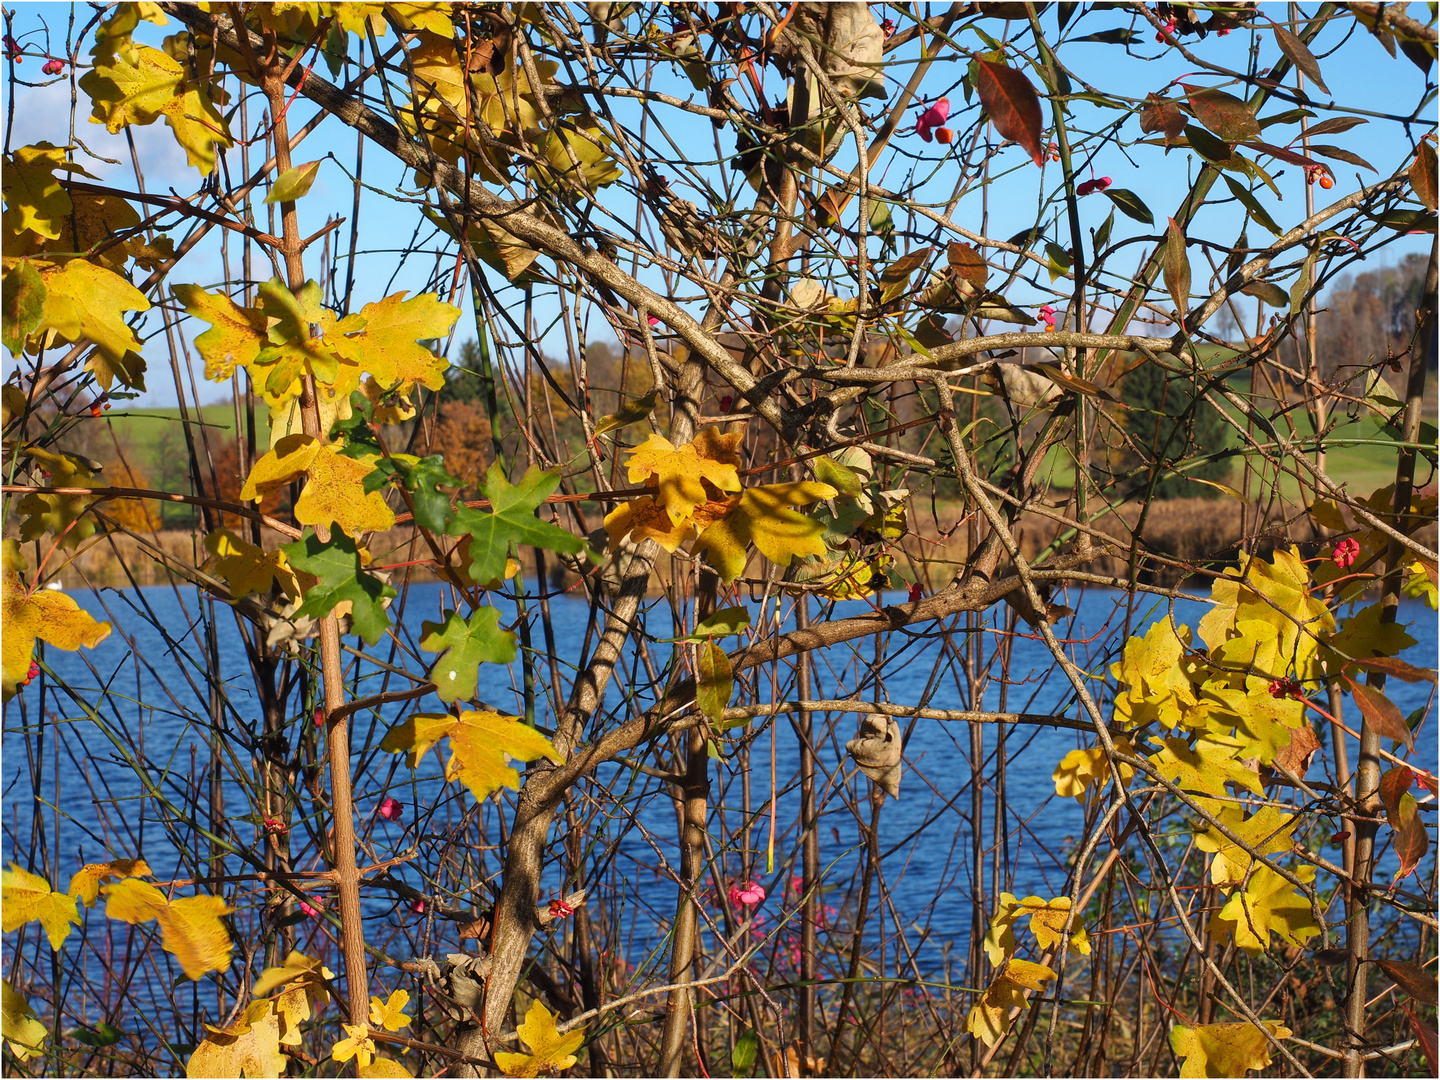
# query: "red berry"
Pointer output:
{"type": "Point", "coordinates": [95, 409]}
{"type": "Point", "coordinates": [944, 135]}
{"type": "Point", "coordinates": [1326, 182]}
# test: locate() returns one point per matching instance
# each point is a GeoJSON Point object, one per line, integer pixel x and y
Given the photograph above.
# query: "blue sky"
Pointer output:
{"type": "Point", "coordinates": [1358, 72]}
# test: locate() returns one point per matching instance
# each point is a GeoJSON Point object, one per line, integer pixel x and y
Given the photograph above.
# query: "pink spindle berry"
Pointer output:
{"type": "Point", "coordinates": [747, 895]}
{"type": "Point", "coordinates": [1286, 688]}
{"type": "Point", "coordinates": [916, 591]}
{"type": "Point", "coordinates": [54, 67]}
{"type": "Point", "coordinates": [932, 118]}
{"type": "Point", "coordinates": [1346, 551]}
{"type": "Point", "coordinates": [390, 809]}
{"type": "Point", "coordinates": [275, 825]}
{"type": "Point", "coordinates": [652, 320]}
{"type": "Point", "coordinates": [312, 910]}
{"type": "Point", "coordinates": [559, 909]}
{"type": "Point", "coordinates": [1090, 186]}
{"type": "Point", "coordinates": [417, 906]}
{"type": "Point", "coordinates": [1047, 315]}
{"type": "Point", "coordinates": [319, 717]}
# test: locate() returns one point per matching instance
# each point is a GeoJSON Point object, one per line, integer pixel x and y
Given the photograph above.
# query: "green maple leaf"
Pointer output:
{"type": "Point", "coordinates": [466, 644]}
{"type": "Point", "coordinates": [510, 521]}
{"type": "Point", "coordinates": [337, 566]}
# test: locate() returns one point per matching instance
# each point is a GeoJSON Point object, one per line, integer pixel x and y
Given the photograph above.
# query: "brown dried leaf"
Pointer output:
{"type": "Point", "coordinates": [1013, 105]}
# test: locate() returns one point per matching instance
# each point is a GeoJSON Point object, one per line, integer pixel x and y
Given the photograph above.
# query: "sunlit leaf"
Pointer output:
{"type": "Point", "coordinates": [465, 644]}
{"type": "Point", "coordinates": [1012, 104]}
{"type": "Point", "coordinates": [510, 521]}
{"type": "Point", "coordinates": [480, 745]}
{"type": "Point", "coordinates": [85, 883]}
{"type": "Point", "coordinates": [50, 616]}
{"type": "Point", "coordinates": [763, 516]}
{"type": "Point", "coordinates": [1224, 1049]}
{"type": "Point", "coordinates": [714, 683]}
{"type": "Point", "coordinates": [389, 1013]}
{"type": "Point", "coordinates": [20, 1029]}
{"type": "Point", "coordinates": [679, 473]}
{"type": "Point", "coordinates": [550, 1052]}
{"type": "Point", "coordinates": [249, 1047]}
{"type": "Point", "coordinates": [294, 183]}
{"type": "Point", "coordinates": [27, 897]}
{"type": "Point", "coordinates": [340, 579]}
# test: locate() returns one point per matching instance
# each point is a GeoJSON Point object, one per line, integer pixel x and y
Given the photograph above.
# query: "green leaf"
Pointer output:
{"type": "Point", "coordinates": [1224, 114]}
{"type": "Point", "coordinates": [294, 183]}
{"type": "Point", "coordinates": [1301, 288]}
{"type": "Point", "coordinates": [724, 623]}
{"type": "Point", "coordinates": [341, 578]}
{"type": "Point", "coordinates": [466, 644]}
{"type": "Point", "coordinates": [23, 305]}
{"type": "Point", "coordinates": [628, 414]}
{"type": "Point", "coordinates": [714, 683]}
{"type": "Point", "coordinates": [1338, 153]}
{"type": "Point", "coordinates": [1257, 212]}
{"type": "Point", "coordinates": [1267, 292]}
{"type": "Point", "coordinates": [510, 521]}
{"type": "Point", "coordinates": [1216, 151]}
{"type": "Point", "coordinates": [1102, 234]}
{"type": "Point", "coordinates": [1131, 205]}
{"type": "Point", "coordinates": [1176, 269]}
{"type": "Point", "coordinates": [1117, 36]}
{"type": "Point", "coordinates": [102, 1034]}
{"type": "Point", "coordinates": [423, 480]}
{"type": "Point", "coordinates": [841, 477]}
{"type": "Point", "coordinates": [742, 1056]}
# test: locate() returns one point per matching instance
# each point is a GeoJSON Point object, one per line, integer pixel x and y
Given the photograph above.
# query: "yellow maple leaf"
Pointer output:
{"type": "Point", "coordinates": [357, 1044]}
{"type": "Point", "coordinates": [1047, 921]}
{"type": "Point", "coordinates": [431, 15]}
{"type": "Point", "coordinates": [1267, 831]}
{"type": "Point", "coordinates": [27, 897]}
{"type": "Point", "coordinates": [302, 992]}
{"type": "Point", "coordinates": [190, 927]}
{"type": "Point", "coordinates": [34, 199]}
{"type": "Point", "coordinates": [989, 1019]}
{"type": "Point", "coordinates": [236, 334]}
{"type": "Point", "coordinates": [142, 84]}
{"type": "Point", "coordinates": [383, 1068]}
{"type": "Point", "coordinates": [762, 516]}
{"type": "Point", "coordinates": [287, 461]}
{"type": "Point", "coordinates": [389, 1014]}
{"type": "Point", "coordinates": [50, 616]}
{"type": "Point", "coordinates": [1080, 770]}
{"type": "Point", "coordinates": [550, 1052]}
{"type": "Point", "coordinates": [480, 743]}
{"type": "Point", "coordinates": [416, 734]}
{"type": "Point", "coordinates": [335, 495]}
{"type": "Point", "coordinates": [247, 568]}
{"type": "Point", "coordinates": [1276, 593]}
{"type": "Point", "coordinates": [250, 1047]}
{"type": "Point", "coordinates": [62, 515]}
{"type": "Point", "coordinates": [390, 349]}
{"type": "Point", "coordinates": [644, 519]}
{"type": "Point", "coordinates": [1206, 767]}
{"type": "Point", "coordinates": [86, 882]}
{"type": "Point", "coordinates": [18, 1024]}
{"type": "Point", "coordinates": [86, 302]}
{"type": "Point", "coordinates": [680, 473]}
{"type": "Point", "coordinates": [1268, 904]}
{"type": "Point", "coordinates": [1224, 1049]}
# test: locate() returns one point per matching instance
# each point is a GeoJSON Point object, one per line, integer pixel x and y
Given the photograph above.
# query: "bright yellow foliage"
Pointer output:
{"type": "Point", "coordinates": [1278, 594]}
{"type": "Point", "coordinates": [86, 302]}
{"type": "Point", "coordinates": [1267, 905]}
{"type": "Point", "coordinates": [18, 1025]}
{"type": "Point", "coordinates": [34, 199]}
{"type": "Point", "coordinates": [61, 515]}
{"type": "Point", "coordinates": [236, 334]}
{"type": "Point", "coordinates": [1206, 767]}
{"type": "Point", "coordinates": [287, 462]}
{"type": "Point", "coordinates": [27, 897]}
{"type": "Point", "coordinates": [390, 349]}
{"type": "Point", "coordinates": [1267, 832]}
{"type": "Point", "coordinates": [247, 568]}
{"type": "Point", "coordinates": [679, 474]}
{"type": "Point", "coordinates": [383, 1068]}
{"type": "Point", "coordinates": [357, 1044]}
{"type": "Point", "coordinates": [191, 928]}
{"type": "Point", "coordinates": [989, 1019]}
{"type": "Point", "coordinates": [85, 884]}
{"type": "Point", "coordinates": [389, 1014]}
{"type": "Point", "coordinates": [550, 1052]}
{"type": "Point", "coordinates": [1224, 1049]}
{"type": "Point", "coordinates": [50, 616]}
{"type": "Point", "coordinates": [301, 982]}
{"type": "Point", "coordinates": [335, 495]}
{"type": "Point", "coordinates": [1047, 922]}
{"type": "Point", "coordinates": [480, 742]}
{"type": "Point", "coordinates": [645, 519]}
{"type": "Point", "coordinates": [249, 1047]}
{"type": "Point", "coordinates": [762, 516]}
{"type": "Point", "coordinates": [1080, 770]}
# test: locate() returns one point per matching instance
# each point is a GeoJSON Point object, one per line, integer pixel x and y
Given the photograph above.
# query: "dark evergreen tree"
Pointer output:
{"type": "Point", "coordinates": [1169, 426]}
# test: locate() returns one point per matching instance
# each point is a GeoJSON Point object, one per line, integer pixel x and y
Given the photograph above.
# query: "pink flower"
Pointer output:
{"type": "Point", "coordinates": [652, 320]}
{"type": "Point", "coordinates": [746, 895]}
{"type": "Point", "coordinates": [932, 118]}
{"type": "Point", "coordinates": [1346, 552]}
{"type": "Point", "coordinates": [417, 906]}
{"type": "Point", "coordinates": [53, 67]}
{"type": "Point", "coordinates": [319, 716]}
{"type": "Point", "coordinates": [391, 810]}
{"type": "Point", "coordinates": [1090, 186]}
{"type": "Point", "coordinates": [312, 910]}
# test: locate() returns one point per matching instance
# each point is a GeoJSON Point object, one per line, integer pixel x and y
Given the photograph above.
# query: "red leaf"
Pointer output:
{"type": "Point", "coordinates": [1410, 844]}
{"type": "Point", "coordinates": [1422, 175]}
{"type": "Point", "coordinates": [1162, 115]}
{"type": "Point", "coordinates": [968, 263]}
{"type": "Point", "coordinates": [1012, 104]}
{"type": "Point", "coordinates": [1394, 666]}
{"type": "Point", "coordinates": [1224, 114]}
{"type": "Point", "coordinates": [1393, 784]}
{"type": "Point", "coordinates": [1281, 154]}
{"type": "Point", "coordinates": [1426, 1034]}
{"type": "Point", "coordinates": [1415, 980]}
{"type": "Point", "coordinates": [1382, 714]}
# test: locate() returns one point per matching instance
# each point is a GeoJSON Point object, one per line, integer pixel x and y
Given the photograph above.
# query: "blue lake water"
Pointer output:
{"type": "Point", "coordinates": [155, 700]}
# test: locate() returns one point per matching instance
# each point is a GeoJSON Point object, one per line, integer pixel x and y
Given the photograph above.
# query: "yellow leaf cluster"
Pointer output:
{"type": "Point", "coordinates": [1081, 770]}
{"type": "Point", "coordinates": [357, 1044]}
{"type": "Point", "coordinates": [249, 1047]}
{"type": "Point", "coordinates": [1267, 904]}
{"type": "Point", "coordinates": [61, 515]}
{"type": "Point", "coordinates": [389, 1013]}
{"type": "Point", "coordinates": [686, 476]}
{"type": "Point", "coordinates": [86, 882]}
{"type": "Point", "coordinates": [1265, 617]}
{"type": "Point", "coordinates": [990, 1018]}
{"type": "Point", "coordinates": [480, 744]}
{"type": "Point", "coordinates": [50, 616]}
{"type": "Point", "coordinates": [190, 927]}
{"type": "Point", "coordinates": [247, 568]}
{"type": "Point", "coordinates": [18, 1024]}
{"type": "Point", "coordinates": [550, 1052]}
{"type": "Point", "coordinates": [334, 492]}
{"type": "Point", "coordinates": [27, 897]}
{"type": "Point", "coordinates": [1224, 1049]}
{"type": "Point", "coordinates": [1047, 923]}
{"type": "Point", "coordinates": [289, 335]}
